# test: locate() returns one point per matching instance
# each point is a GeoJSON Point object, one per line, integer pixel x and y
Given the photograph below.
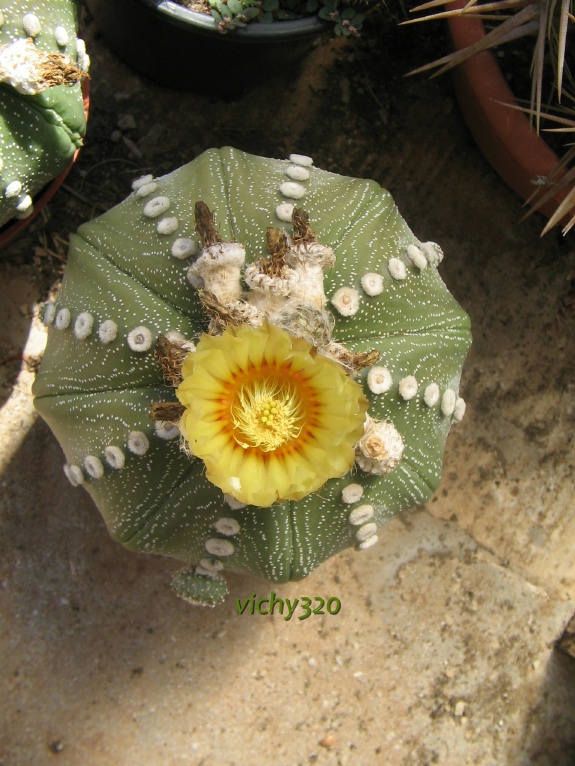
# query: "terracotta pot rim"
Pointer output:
{"type": "Point", "coordinates": [504, 134]}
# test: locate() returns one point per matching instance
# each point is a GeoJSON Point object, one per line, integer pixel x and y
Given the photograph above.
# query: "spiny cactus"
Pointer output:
{"type": "Point", "coordinates": [137, 298]}
{"type": "Point", "coordinates": [42, 118]}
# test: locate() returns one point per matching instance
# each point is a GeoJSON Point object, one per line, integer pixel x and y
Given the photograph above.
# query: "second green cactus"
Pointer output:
{"type": "Point", "coordinates": [42, 124]}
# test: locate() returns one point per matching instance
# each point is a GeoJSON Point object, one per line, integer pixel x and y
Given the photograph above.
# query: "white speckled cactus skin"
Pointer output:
{"type": "Point", "coordinates": [39, 134]}
{"type": "Point", "coordinates": [94, 394]}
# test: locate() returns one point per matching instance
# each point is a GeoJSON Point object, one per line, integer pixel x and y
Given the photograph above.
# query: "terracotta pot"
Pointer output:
{"type": "Point", "coordinates": [504, 135]}
{"type": "Point", "coordinates": [15, 227]}
{"type": "Point", "coordinates": [182, 49]}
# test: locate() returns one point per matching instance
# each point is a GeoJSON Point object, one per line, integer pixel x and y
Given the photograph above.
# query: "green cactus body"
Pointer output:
{"type": "Point", "coordinates": [40, 132]}
{"type": "Point", "coordinates": [94, 390]}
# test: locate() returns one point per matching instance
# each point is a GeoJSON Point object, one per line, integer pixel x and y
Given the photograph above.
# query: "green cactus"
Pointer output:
{"type": "Point", "coordinates": [125, 285]}
{"type": "Point", "coordinates": [41, 123]}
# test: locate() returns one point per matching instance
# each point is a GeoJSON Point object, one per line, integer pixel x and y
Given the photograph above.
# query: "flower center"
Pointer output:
{"type": "Point", "coordinates": [266, 414]}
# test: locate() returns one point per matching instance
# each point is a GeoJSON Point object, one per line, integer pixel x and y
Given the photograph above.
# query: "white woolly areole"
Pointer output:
{"type": "Point", "coordinates": [397, 268]}
{"type": "Point", "coordinates": [31, 24]}
{"type": "Point", "coordinates": [227, 526]}
{"type": "Point", "coordinates": [284, 211]}
{"type": "Point", "coordinates": [256, 280]}
{"type": "Point", "coordinates": [20, 66]}
{"type": "Point", "coordinates": [380, 448]}
{"type": "Point", "coordinates": [309, 260]}
{"type": "Point", "coordinates": [379, 380]}
{"type": "Point", "coordinates": [146, 189]}
{"type": "Point", "coordinates": [13, 189]}
{"type": "Point", "coordinates": [24, 205]}
{"type": "Point", "coordinates": [138, 443]}
{"type": "Point", "coordinates": [142, 181]}
{"type": "Point", "coordinates": [175, 336]}
{"type": "Point", "coordinates": [432, 252]}
{"type": "Point", "coordinates": [74, 475]}
{"type": "Point", "coordinates": [156, 206]}
{"type": "Point", "coordinates": [61, 36]}
{"type": "Point", "coordinates": [84, 62]}
{"type": "Point", "coordinates": [195, 281]}
{"type": "Point", "coordinates": [218, 268]}
{"type": "Point", "coordinates": [416, 256]}
{"type": "Point", "coordinates": [365, 531]}
{"type": "Point", "coordinates": [62, 320]}
{"type": "Point", "coordinates": [459, 411]}
{"type": "Point", "coordinates": [107, 331]}
{"type": "Point", "coordinates": [448, 402]}
{"type": "Point", "coordinates": [218, 547]}
{"type": "Point", "coordinates": [292, 190]}
{"type": "Point", "coordinates": [408, 387]}
{"type": "Point", "coordinates": [234, 504]}
{"type": "Point", "coordinates": [361, 515]}
{"type": "Point", "coordinates": [83, 325]}
{"type": "Point", "coordinates": [166, 430]}
{"type": "Point", "coordinates": [115, 457]}
{"type": "Point", "coordinates": [167, 225]}
{"type": "Point", "coordinates": [49, 314]}
{"type": "Point", "coordinates": [211, 565]}
{"type": "Point", "coordinates": [183, 247]}
{"type": "Point", "coordinates": [311, 254]}
{"type": "Point", "coordinates": [431, 395]}
{"type": "Point", "coordinates": [301, 159]}
{"type": "Point", "coordinates": [365, 544]}
{"type": "Point", "coordinates": [80, 46]}
{"type": "Point", "coordinates": [21, 215]}
{"type": "Point", "coordinates": [221, 254]}
{"type": "Point", "coordinates": [139, 339]}
{"type": "Point", "coordinates": [298, 173]}
{"type": "Point", "coordinates": [352, 493]}
{"type": "Point", "coordinates": [346, 301]}
{"type": "Point", "coordinates": [93, 466]}
{"type": "Point", "coordinates": [372, 283]}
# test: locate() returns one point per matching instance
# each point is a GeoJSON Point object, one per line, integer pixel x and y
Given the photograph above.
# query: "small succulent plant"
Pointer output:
{"type": "Point", "coordinates": [42, 118]}
{"type": "Point", "coordinates": [347, 17]}
{"type": "Point", "coordinates": [252, 364]}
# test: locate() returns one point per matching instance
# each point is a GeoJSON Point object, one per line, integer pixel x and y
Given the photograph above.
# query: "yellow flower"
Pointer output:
{"type": "Point", "coordinates": [270, 417]}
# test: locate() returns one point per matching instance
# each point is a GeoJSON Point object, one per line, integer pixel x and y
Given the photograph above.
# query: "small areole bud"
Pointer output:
{"type": "Point", "coordinates": [379, 380]}
{"type": "Point", "coordinates": [361, 515]}
{"type": "Point", "coordinates": [397, 269]}
{"type": "Point", "coordinates": [83, 325]}
{"type": "Point", "coordinates": [352, 493]}
{"type": "Point", "coordinates": [408, 387]}
{"type": "Point", "coordinates": [346, 301]}
{"type": "Point", "coordinates": [156, 206]}
{"type": "Point", "coordinates": [138, 443]}
{"type": "Point", "coordinates": [140, 339]}
{"type": "Point", "coordinates": [372, 283]}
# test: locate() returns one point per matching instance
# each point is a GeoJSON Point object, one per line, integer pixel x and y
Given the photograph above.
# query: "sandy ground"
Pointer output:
{"type": "Point", "coordinates": [443, 651]}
